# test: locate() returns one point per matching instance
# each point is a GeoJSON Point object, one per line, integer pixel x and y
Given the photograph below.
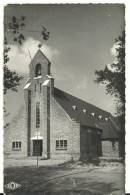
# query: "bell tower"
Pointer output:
{"type": "Point", "coordinates": [39, 66]}
{"type": "Point", "coordinates": [37, 92]}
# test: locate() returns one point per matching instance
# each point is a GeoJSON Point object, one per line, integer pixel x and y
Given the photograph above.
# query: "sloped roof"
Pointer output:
{"type": "Point", "coordinates": [40, 53]}
{"type": "Point", "coordinates": [68, 103]}
{"type": "Point", "coordinates": [109, 130]}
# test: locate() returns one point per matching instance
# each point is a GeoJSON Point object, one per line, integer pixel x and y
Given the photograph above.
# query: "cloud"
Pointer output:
{"type": "Point", "coordinates": [82, 84]}
{"type": "Point", "coordinates": [19, 56]}
{"type": "Point", "coordinates": [113, 50]}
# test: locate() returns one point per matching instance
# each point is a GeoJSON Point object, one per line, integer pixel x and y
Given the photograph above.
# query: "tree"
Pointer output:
{"type": "Point", "coordinates": [113, 76]}
{"type": "Point", "coordinates": [15, 27]}
{"type": "Point", "coordinates": [11, 78]}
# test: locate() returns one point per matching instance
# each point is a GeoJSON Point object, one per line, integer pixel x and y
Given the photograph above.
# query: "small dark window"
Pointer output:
{"type": "Point", "coordinates": [65, 143]}
{"type": "Point", "coordinates": [20, 144]}
{"type": "Point", "coordinates": [13, 144]}
{"type": "Point", "coordinates": [57, 144]}
{"type": "Point", "coordinates": [61, 144]}
{"type": "Point", "coordinates": [113, 145]}
{"type": "Point", "coordinates": [16, 145]}
{"type": "Point", "coordinates": [38, 70]}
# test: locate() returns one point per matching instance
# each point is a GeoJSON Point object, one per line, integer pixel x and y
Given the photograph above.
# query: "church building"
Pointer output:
{"type": "Point", "coordinates": [57, 125]}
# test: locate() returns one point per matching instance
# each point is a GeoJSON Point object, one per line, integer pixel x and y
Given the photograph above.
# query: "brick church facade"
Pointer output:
{"type": "Point", "coordinates": [55, 124]}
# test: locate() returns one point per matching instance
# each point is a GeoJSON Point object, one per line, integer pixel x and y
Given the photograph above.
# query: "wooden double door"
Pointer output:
{"type": "Point", "coordinates": [90, 143]}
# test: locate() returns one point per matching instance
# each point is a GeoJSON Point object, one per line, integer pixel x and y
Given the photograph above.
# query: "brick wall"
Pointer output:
{"type": "Point", "coordinates": [16, 132]}
{"type": "Point", "coordinates": [63, 128]}
{"type": "Point", "coordinates": [108, 150]}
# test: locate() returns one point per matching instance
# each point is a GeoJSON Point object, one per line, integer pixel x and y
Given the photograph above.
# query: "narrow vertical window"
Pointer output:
{"type": "Point", "coordinates": [61, 143]}
{"type": "Point", "coordinates": [13, 144]}
{"type": "Point", "coordinates": [57, 144]}
{"type": "Point", "coordinates": [17, 144]}
{"type": "Point", "coordinates": [37, 114]}
{"type": "Point", "coordinates": [65, 144]}
{"type": "Point", "coordinates": [35, 87]}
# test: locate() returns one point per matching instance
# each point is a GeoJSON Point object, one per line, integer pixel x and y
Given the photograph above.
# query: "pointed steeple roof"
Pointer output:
{"type": "Point", "coordinates": [39, 58]}
{"type": "Point", "coordinates": [40, 54]}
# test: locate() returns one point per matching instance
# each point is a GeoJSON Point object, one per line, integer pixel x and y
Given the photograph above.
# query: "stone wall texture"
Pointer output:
{"type": "Point", "coordinates": [108, 150]}
{"type": "Point", "coordinates": [63, 128]}
{"type": "Point", "coordinates": [16, 131]}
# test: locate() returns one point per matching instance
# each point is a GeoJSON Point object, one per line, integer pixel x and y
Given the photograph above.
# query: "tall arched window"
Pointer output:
{"type": "Point", "coordinates": [37, 114]}
{"type": "Point", "coordinates": [38, 70]}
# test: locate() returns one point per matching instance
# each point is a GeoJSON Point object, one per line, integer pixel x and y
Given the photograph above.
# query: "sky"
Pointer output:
{"type": "Point", "coordinates": [81, 41]}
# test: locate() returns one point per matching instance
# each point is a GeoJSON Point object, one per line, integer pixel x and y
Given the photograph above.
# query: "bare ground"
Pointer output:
{"type": "Point", "coordinates": [67, 179]}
